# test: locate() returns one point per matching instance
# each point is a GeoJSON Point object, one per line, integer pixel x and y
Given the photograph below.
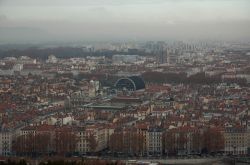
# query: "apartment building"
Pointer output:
{"type": "Point", "coordinates": [154, 141]}
{"type": "Point", "coordinates": [236, 140]}
{"type": "Point", "coordinates": [92, 139]}
{"type": "Point", "coordinates": [5, 142]}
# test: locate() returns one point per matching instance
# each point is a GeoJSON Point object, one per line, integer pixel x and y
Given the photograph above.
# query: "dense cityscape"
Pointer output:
{"type": "Point", "coordinates": [151, 100]}
{"type": "Point", "coordinates": [124, 82]}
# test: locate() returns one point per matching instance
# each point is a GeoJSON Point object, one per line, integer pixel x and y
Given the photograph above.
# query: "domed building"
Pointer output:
{"type": "Point", "coordinates": [132, 83]}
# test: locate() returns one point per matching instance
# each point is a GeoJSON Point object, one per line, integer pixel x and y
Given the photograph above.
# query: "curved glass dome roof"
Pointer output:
{"type": "Point", "coordinates": [132, 83]}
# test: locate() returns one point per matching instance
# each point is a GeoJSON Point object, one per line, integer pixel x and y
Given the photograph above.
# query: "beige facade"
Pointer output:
{"type": "Point", "coordinates": [143, 132]}
{"type": "Point", "coordinates": [236, 141]}
{"type": "Point", "coordinates": [100, 136]}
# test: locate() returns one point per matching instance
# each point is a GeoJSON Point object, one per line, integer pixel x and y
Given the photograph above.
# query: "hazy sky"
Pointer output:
{"type": "Point", "coordinates": [72, 20]}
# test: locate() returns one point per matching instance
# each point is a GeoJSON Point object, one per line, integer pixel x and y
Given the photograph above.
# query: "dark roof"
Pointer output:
{"type": "Point", "coordinates": [131, 83]}
{"type": "Point", "coordinates": [139, 83]}
{"type": "Point", "coordinates": [155, 129]}
{"type": "Point", "coordinates": [236, 130]}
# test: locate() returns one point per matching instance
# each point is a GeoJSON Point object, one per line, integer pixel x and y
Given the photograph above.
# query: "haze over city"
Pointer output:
{"type": "Point", "coordinates": [25, 21]}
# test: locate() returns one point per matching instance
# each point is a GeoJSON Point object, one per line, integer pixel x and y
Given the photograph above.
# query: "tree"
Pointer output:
{"type": "Point", "coordinates": [137, 143]}
{"type": "Point", "coordinates": [24, 145]}
{"type": "Point", "coordinates": [92, 142]}
{"type": "Point", "coordinates": [197, 141]}
{"type": "Point", "coordinates": [169, 142]}
{"type": "Point", "coordinates": [43, 143]}
{"type": "Point", "coordinates": [129, 142]}
{"type": "Point", "coordinates": [213, 140]}
{"type": "Point", "coordinates": [19, 145]}
{"type": "Point", "coordinates": [182, 141]}
{"type": "Point", "coordinates": [116, 142]}
{"type": "Point", "coordinates": [65, 141]}
{"type": "Point", "coordinates": [32, 144]}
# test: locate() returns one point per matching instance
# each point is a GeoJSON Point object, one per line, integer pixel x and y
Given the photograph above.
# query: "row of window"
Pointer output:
{"type": "Point", "coordinates": [154, 149]}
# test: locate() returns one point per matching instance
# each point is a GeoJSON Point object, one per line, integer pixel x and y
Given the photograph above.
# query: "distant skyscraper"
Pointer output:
{"type": "Point", "coordinates": [161, 56]}
{"type": "Point", "coordinates": [172, 56]}
{"type": "Point", "coordinates": [161, 52]}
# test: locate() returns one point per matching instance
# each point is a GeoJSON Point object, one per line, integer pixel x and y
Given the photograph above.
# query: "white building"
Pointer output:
{"type": "Point", "coordinates": [154, 138]}
{"type": "Point", "coordinates": [52, 59]}
{"type": "Point", "coordinates": [119, 59]}
{"type": "Point", "coordinates": [26, 60]}
{"type": "Point", "coordinates": [18, 67]}
{"type": "Point", "coordinates": [94, 86]}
